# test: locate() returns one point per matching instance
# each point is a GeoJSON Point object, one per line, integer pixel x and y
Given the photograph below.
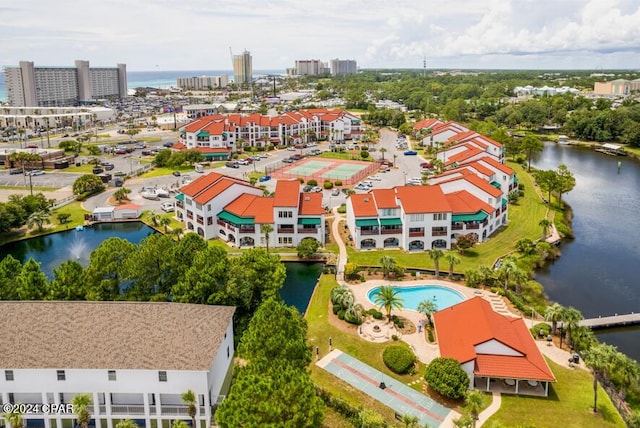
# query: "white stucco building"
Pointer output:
{"type": "Point", "coordinates": [134, 359]}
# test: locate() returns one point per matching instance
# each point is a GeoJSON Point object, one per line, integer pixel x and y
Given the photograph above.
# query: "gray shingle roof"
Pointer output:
{"type": "Point", "coordinates": [111, 335]}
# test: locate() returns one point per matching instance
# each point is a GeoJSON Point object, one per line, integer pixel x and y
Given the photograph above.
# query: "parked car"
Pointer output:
{"type": "Point", "coordinates": [335, 192]}
{"type": "Point", "coordinates": [121, 151]}
{"type": "Point", "coordinates": [287, 160]}
{"type": "Point", "coordinates": [167, 144]}
{"type": "Point", "coordinates": [361, 186]}
{"type": "Point", "coordinates": [97, 170]}
{"type": "Point", "coordinates": [108, 166]}
{"type": "Point", "coordinates": [410, 153]}
{"type": "Point", "coordinates": [263, 155]}
{"type": "Point", "coordinates": [384, 168]}
{"type": "Point", "coordinates": [316, 189]}
{"type": "Point", "coordinates": [375, 178]}
{"type": "Point", "coordinates": [307, 188]}
{"type": "Point", "coordinates": [264, 178]}
{"type": "Point", "coordinates": [147, 152]}
{"type": "Point", "coordinates": [167, 207]}
{"type": "Point", "coordinates": [36, 172]}
{"type": "Point", "coordinates": [176, 173]}
{"type": "Point", "coordinates": [232, 165]}
{"type": "Point", "coordinates": [140, 146]}
{"type": "Point", "coordinates": [291, 149]}
{"type": "Point", "coordinates": [426, 165]}
{"type": "Point", "coordinates": [243, 162]}
{"type": "Point", "coordinates": [31, 146]}
{"type": "Point", "coordinates": [367, 183]}
{"type": "Point", "coordinates": [16, 171]}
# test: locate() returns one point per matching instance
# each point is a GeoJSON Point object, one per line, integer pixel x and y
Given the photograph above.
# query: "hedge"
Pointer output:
{"type": "Point", "coordinates": [312, 182]}
{"type": "Point", "coordinates": [328, 185]}
{"type": "Point", "coordinates": [399, 359]}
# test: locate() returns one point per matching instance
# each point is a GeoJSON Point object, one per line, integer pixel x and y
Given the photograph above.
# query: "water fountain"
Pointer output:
{"type": "Point", "coordinates": [78, 248]}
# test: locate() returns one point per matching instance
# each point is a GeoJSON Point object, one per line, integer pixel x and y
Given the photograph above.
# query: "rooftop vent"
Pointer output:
{"type": "Point", "coordinates": [366, 199]}
{"type": "Point", "coordinates": [306, 198]}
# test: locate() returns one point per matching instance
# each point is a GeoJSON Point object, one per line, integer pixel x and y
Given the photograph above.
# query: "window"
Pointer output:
{"type": "Point", "coordinates": [198, 205]}
{"type": "Point", "coordinates": [188, 201]}
{"type": "Point", "coordinates": [388, 211]}
{"type": "Point", "coordinates": [228, 352]}
{"type": "Point", "coordinates": [8, 374]}
{"type": "Point", "coordinates": [209, 221]}
{"type": "Point", "coordinates": [285, 214]}
{"type": "Point", "coordinates": [286, 240]}
{"type": "Point", "coordinates": [440, 216]}
{"type": "Point", "coordinates": [112, 374]}
{"type": "Point", "coordinates": [61, 375]}
{"type": "Point", "coordinates": [162, 376]}
{"type": "Point", "coordinates": [416, 217]}
{"type": "Point", "coordinates": [208, 207]}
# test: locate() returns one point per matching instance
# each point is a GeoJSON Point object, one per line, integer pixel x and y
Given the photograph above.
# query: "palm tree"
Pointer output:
{"type": "Point", "coordinates": [177, 232]}
{"type": "Point", "coordinates": [435, 255]}
{"type": "Point", "coordinates": [128, 423]}
{"type": "Point", "coordinates": [388, 265]}
{"type": "Point", "coordinates": [453, 260]}
{"type": "Point", "coordinates": [189, 398]}
{"type": "Point", "coordinates": [520, 277]}
{"type": "Point", "coordinates": [487, 275]}
{"type": "Point", "coordinates": [475, 402]}
{"type": "Point", "coordinates": [38, 218]}
{"type": "Point", "coordinates": [342, 296]}
{"type": "Point", "coordinates": [153, 217]}
{"type": "Point", "coordinates": [178, 424]}
{"type": "Point", "coordinates": [546, 224]}
{"type": "Point", "coordinates": [571, 318]}
{"type": "Point", "coordinates": [165, 221]}
{"type": "Point", "coordinates": [386, 297]}
{"type": "Point", "coordinates": [121, 194]}
{"type": "Point", "coordinates": [383, 151]}
{"type": "Point", "coordinates": [410, 421]}
{"type": "Point", "coordinates": [266, 229]}
{"type": "Point", "coordinates": [81, 403]}
{"type": "Point", "coordinates": [600, 358]}
{"type": "Point", "coordinates": [554, 314]}
{"type": "Point", "coordinates": [428, 308]}
{"type": "Point", "coordinates": [14, 419]}
{"type": "Point", "coordinates": [506, 269]}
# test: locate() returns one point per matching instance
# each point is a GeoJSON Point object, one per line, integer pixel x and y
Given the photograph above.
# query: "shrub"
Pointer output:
{"type": "Point", "coordinates": [446, 377]}
{"type": "Point", "coordinates": [342, 209]}
{"type": "Point", "coordinates": [394, 337]}
{"type": "Point", "coordinates": [338, 182]}
{"type": "Point", "coordinates": [375, 313]}
{"type": "Point", "coordinates": [336, 309]}
{"type": "Point", "coordinates": [430, 334]}
{"type": "Point", "coordinates": [364, 154]}
{"type": "Point", "coordinates": [341, 314]}
{"type": "Point", "coordinates": [399, 359]}
{"type": "Point", "coordinates": [312, 182]}
{"type": "Point", "coordinates": [301, 180]}
{"type": "Point", "coordinates": [397, 321]}
{"type": "Point", "coordinates": [544, 327]}
{"type": "Point", "coordinates": [328, 185]}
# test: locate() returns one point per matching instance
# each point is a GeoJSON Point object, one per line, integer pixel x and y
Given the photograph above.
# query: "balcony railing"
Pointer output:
{"type": "Point", "coordinates": [473, 226]}
{"type": "Point", "coordinates": [439, 233]}
{"type": "Point", "coordinates": [416, 234]}
{"type": "Point", "coordinates": [457, 227]}
{"type": "Point", "coordinates": [369, 232]}
{"type": "Point", "coordinates": [251, 229]}
{"type": "Point", "coordinates": [390, 231]}
{"type": "Point", "coordinates": [308, 230]}
{"type": "Point", "coordinates": [221, 223]}
{"type": "Point", "coordinates": [189, 215]}
{"type": "Point", "coordinates": [120, 409]}
{"type": "Point", "coordinates": [179, 204]}
{"type": "Point", "coordinates": [200, 220]}
{"type": "Point", "coordinates": [285, 230]}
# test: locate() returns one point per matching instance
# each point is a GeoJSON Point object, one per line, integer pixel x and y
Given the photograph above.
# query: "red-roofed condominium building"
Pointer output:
{"type": "Point", "coordinates": [497, 352]}
{"type": "Point", "coordinates": [228, 208]}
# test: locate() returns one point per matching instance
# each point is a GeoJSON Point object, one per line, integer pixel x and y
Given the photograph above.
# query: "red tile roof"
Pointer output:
{"type": "Point", "coordinates": [464, 155]}
{"type": "Point", "coordinates": [178, 146]}
{"type": "Point", "coordinates": [496, 164]}
{"type": "Point", "coordinates": [135, 207]}
{"type": "Point", "coordinates": [461, 136]}
{"type": "Point", "coordinates": [422, 199]}
{"type": "Point", "coordinates": [260, 208]}
{"type": "Point", "coordinates": [385, 198]}
{"type": "Point", "coordinates": [463, 327]}
{"type": "Point", "coordinates": [213, 191]}
{"type": "Point", "coordinates": [364, 205]}
{"type": "Point", "coordinates": [482, 184]}
{"type": "Point", "coordinates": [463, 202]}
{"type": "Point", "coordinates": [310, 204]}
{"type": "Point", "coordinates": [426, 123]}
{"type": "Point", "coordinates": [207, 187]}
{"type": "Point", "coordinates": [214, 128]}
{"type": "Point", "coordinates": [287, 193]}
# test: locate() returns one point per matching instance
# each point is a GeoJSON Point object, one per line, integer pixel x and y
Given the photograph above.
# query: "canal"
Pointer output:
{"type": "Point", "coordinates": [598, 270]}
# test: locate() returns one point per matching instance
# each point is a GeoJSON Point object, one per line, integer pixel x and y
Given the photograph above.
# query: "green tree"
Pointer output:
{"type": "Point", "coordinates": [554, 313]}
{"type": "Point", "coordinates": [545, 223]}
{"type": "Point", "coordinates": [548, 181]}
{"type": "Point", "coordinates": [105, 274]}
{"type": "Point", "coordinates": [10, 268]}
{"type": "Point", "coordinates": [150, 270]}
{"type": "Point", "coordinates": [465, 242]}
{"type": "Point", "coordinates": [566, 180]}
{"type": "Point", "coordinates": [179, 424]}
{"type": "Point", "coordinates": [307, 248]}
{"type": "Point", "coordinates": [446, 377]}
{"type": "Point", "coordinates": [388, 265]}
{"type": "Point", "coordinates": [121, 194]}
{"type": "Point", "coordinates": [427, 307]}
{"type": "Point", "coordinates": [386, 297]}
{"type": "Point", "coordinates": [435, 254]}
{"type": "Point", "coordinates": [87, 183]}
{"type": "Point", "coordinates": [127, 423]}
{"type": "Point", "coordinates": [473, 278]}
{"type": "Point", "coordinates": [474, 401]}
{"type": "Point", "coordinates": [189, 399]}
{"type": "Point", "coordinates": [81, 403]}
{"type": "Point", "coordinates": [266, 229]}
{"type": "Point", "coordinates": [452, 260]}
{"type": "Point", "coordinates": [531, 144]}
{"type": "Point", "coordinates": [204, 282]}
{"type": "Point", "coordinates": [14, 419]}
{"type": "Point", "coordinates": [601, 358]}
{"type": "Point", "coordinates": [68, 282]}
{"type": "Point", "coordinates": [38, 218]}
{"type": "Point", "coordinates": [31, 283]}
{"type": "Point", "coordinates": [131, 132]}
{"type": "Point", "coordinates": [506, 270]}
{"type": "Point", "coordinates": [162, 158]}
{"type": "Point", "coordinates": [571, 317]}
{"type": "Point", "coordinates": [525, 246]}
{"type": "Point", "coordinates": [165, 222]}
{"type": "Point", "coordinates": [63, 217]}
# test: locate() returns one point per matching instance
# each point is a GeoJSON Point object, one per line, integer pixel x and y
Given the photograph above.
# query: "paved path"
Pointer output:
{"type": "Point", "coordinates": [342, 257]}
{"type": "Point", "coordinates": [554, 237]}
{"type": "Point", "coordinates": [489, 411]}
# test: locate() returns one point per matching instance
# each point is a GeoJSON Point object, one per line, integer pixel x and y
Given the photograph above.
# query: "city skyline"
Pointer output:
{"type": "Point", "coordinates": [493, 34]}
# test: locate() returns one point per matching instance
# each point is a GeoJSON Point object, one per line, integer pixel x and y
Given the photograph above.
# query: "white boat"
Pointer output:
{"type": "Point", "coordinates": [162, 193]}
{"type": "Point", "coordinates": [149, 194]}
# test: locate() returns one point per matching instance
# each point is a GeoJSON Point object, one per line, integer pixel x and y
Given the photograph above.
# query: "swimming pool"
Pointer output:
{"type": "Point", "coordinates": [412, 296]}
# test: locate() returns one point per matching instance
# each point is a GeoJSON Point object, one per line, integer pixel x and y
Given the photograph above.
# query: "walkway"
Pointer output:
{"type": "Point", "coordinates": [554, 237]}
{"type": "Point", "coordinates": [390, 392]}
{"type": "Point", "coordinates": [611, 321]}
{"type": "Point", "coordinates": [342, 257]}
{"type": "Point", "coordinates": [489, 411]}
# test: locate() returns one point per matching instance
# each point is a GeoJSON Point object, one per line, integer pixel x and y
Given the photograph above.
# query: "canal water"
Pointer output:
{"type": "Point", "coordinates": [598, 272]}
{"type": "Point", "coordinates": [52, 250]}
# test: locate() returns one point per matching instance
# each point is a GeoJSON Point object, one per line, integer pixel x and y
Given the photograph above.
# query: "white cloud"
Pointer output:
{"type": "Point", "coordinates": [197, 34]}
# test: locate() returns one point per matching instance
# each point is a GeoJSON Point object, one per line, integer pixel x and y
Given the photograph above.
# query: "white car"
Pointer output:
{"type": "Point", "coordinates": [243, 162]}
{"type": "Point", "coordinates": [36, 172]}
{"type": "Point", "coordinates": [375, 178]}
{"type": "Point", "coordinates": [167, 207]}
{"type": "Point", "coordinates": [317, 189]}
{"type": "Point", "coordinates": [367, 183]}
{"type": "Point", "coordinates": [361, 187]}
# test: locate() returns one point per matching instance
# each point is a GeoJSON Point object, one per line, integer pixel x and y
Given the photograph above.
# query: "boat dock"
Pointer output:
{"type": "Point", "coordinates": [611, 321]}
{"type": "Point", "coordinates": [611, 149]}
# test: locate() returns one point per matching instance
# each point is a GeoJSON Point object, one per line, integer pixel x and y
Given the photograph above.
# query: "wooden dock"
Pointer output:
{"type": "Point", "coordinates": [611, 321]}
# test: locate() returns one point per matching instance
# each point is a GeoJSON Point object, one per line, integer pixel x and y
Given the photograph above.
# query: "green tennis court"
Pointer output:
{"type": "Point", "coordinates": [344, 171]}
{"type": "Point", "coordinates": [310, 167]}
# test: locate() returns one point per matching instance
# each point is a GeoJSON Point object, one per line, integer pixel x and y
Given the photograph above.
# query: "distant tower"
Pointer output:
{"type": "Point", "coordinates": [242, 68]}
{"type": "Point", "coordinates": [424, 66]}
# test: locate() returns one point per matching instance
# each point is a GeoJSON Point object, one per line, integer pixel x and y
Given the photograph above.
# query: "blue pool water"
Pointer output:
{"type": "Point", "coordinates": [412, 296]}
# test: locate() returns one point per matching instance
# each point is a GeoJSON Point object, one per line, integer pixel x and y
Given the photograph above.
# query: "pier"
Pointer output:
{"type": "Point", "coordinates": [611, 321]}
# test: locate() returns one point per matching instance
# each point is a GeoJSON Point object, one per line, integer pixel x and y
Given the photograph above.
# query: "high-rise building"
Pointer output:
{"type": "Point", "coordinates": [242, 68]}
{"type": "Point", "coordinates": [340, 67]}
{"type": "Point", "coordinates": [310, 67]}
{"type": "Point", "coordinates": [203, 83]}
{"type": "Point", "coordinates": [30, 86]}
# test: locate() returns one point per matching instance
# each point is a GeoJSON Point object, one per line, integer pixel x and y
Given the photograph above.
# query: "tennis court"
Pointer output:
{"type": "Point", "coordinates": [392, 393]}
{"type": "Point", "coordinates": [347, 171]}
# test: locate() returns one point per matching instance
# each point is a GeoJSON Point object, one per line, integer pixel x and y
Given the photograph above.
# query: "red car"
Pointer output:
{"type": "Point", "coordinates": [31, 146]}
{"type": "Point", "coordinates": [121, 151]}
{"type": "Point", "coordinates": [425, 165]}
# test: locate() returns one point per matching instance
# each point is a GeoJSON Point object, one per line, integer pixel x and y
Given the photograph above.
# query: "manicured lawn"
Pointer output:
{"type": "Point", "coordinates": [77, 218]}
{"type": "Point", "coordinates": [35, 188]}
{"type": "Point", "coordinates": [318, 334]}
{"type": "Point", "coordinates": [350, 155]}
{"type": "Point", "coordinates": [161, 171]}
{"type": "Point", "coordinates": [523, 223]}
{"type": "Point", "coordinates": [87, 168]}
{"type": "Point", "coordinates": [569, 405]}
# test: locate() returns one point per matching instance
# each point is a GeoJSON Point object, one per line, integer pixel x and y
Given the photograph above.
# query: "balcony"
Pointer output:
{"type": "Point", "coordinates": [369, 232]}
{"type": "Point", "coordinates": [473, 226]}
{"type": "Point", "coordinates": [189, 215]}
{"type": "Point", "coordinates": [419, 234]}
{"type": "Point", "coordinates": [121, 409]}
{"type": "Point", "coordinates": [285, 230]}
{"type": "Point", "coordinates": [179, 204]}
{"type": "Point", "coordinates": [391, 231]}
{"type": "Point", "coordinates": [308, 230]}
{"type": "Point", "coordinates": [439, 233]}
{"type": "Point", "coordinates": [458, 226]}
{"type": "Point", "coordinates": [247, 229]}
{"type": "Point", "coordinates": [200, 220]}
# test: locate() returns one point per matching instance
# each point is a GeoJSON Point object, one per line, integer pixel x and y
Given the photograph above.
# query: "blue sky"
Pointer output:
{"type": "Point", "coordinates": [197, 34]}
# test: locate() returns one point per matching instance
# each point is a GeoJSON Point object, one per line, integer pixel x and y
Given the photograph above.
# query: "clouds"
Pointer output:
{"type": "Point", "coordinates": [197, 34]}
